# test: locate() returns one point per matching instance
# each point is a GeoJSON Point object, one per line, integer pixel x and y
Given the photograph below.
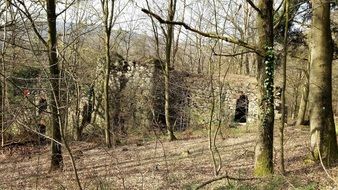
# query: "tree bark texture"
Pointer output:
{"type": "Point", "coordinates": [56, 161]}
{"type": "Point", "coordinates": [106, 94]}
{"type": "Point", "coordinates": [322, 126]}
{"type": "Point", "coordinates": [301, 116]}
{"type": "Point", "coordinates": [264, 146]}
{"type": "Point", "coordinates": [108, 12]}
{"type": "Point", "coordinates": [169, 40]}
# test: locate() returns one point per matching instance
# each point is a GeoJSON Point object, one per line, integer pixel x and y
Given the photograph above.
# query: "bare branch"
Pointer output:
{"type": "Point", "coordinates": [206, 34]}
{"type": "Point", "coordinates": [37, 132]}
{"type": "Point", "coordinates": [279, 7]}
{"type": "Point", "coordinates": [231, 55]}
{"type": "Point", "coordinates": [254, 7]}
{"type": "Point", "coordinates": [279, 21]}
{"type": "Point", "coordinates": [31, 20]}
{"type": "Point", "coordinates": [6, 25]}
{"type": "Point", "coordinates": [226, 176]}
{"type": "Point", "coordinates": [21, 46]}
{"type": "Point", "coordinates": [64, 10]}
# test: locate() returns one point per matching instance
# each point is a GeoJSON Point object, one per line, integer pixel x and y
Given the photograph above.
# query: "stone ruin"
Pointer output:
{"type": "Point", "coordinates": [229, 99]}
{"type": "Point", "coordinates": [137, 97]}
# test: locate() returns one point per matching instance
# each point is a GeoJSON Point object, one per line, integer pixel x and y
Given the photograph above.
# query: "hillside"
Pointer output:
{"type": "Point", "coordinates": [156, 164]}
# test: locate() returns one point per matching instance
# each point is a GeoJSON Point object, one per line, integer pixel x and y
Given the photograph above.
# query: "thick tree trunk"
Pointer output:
{"type": "Point", "coordinates": [264, 146]}
{"type": "Point", "coordinates": [56, 161]}
{"type": "Point", "coordinates": [323, 133]}
{"type": "Point", "coordinates": [170, 34]}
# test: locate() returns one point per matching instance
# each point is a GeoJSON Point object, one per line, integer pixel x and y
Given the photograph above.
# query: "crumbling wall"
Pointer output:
{"type": "Point", "coordinates": [141, 98]}
{"type": "Point", "coordinates": [223, 94]}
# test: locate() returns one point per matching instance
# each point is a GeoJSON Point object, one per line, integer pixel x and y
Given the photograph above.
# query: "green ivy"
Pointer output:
{"type": "Point", "coordinates": [269, 63]}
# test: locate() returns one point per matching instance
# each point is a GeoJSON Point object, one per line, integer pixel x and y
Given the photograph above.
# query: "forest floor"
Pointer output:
{"type": "Point", "coordinates": [158, 164]}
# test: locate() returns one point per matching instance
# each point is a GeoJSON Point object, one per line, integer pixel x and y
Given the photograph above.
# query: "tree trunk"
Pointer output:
{"type": "Point", "coordinates": [285, 58]}
{"type": "Point", "coordinates": [78, 134]}
{"type": "Point", "coordinates": [295, 107]}
{"type": "Point", "coordinates": [323, 133]}
{"type": "Point", "coordinates": [56, 161]}
{"type": "Point", "coordinates": [4, 82]}
{"type": "Point", "coordinates": [106, 93]}
{"type": "Point", "coordinates": [303, 104]}
{"type": "Point", "coordinates": [170, 34]}
{"type": "Point", "coordinates": [108, 14]}
{"type": "Point", "coordinates": [76, 117]}
{"type": "Point", "coordinates": [241, 63]}
{"type": "Point", "coordinates": [247, 65]}
{"type": "Point", "coordinates": [264, 146]}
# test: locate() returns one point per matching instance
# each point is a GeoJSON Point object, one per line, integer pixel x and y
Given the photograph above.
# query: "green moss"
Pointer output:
{"type": "Point", "coordinates": [263, 167]}
{"type": "Point", "coordinates": [315, 154]}
{"type": "Point", "coordinates": [310, 186]}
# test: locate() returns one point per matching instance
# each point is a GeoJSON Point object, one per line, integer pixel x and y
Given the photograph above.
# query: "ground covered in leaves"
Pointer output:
{"type": "Point", "coordinates": [158, 164]}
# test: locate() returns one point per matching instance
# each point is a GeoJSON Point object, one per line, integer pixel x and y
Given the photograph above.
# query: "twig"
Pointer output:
{"type": "Point", "coordinates": [226, 176]}
{"type": "Point", "coordinates": [50, 138]}
{"type": "Point", "coordinates": [66, 8]}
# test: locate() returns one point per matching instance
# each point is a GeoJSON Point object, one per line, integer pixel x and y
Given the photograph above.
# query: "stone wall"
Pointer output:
{"type": "Point", "coordinates": [224, 94]}
{"type": "Point", "coordinates": [141, 100]}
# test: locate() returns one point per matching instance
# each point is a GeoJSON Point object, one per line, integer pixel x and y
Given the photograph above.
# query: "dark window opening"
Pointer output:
{"type": "Point", "coordinates": [241, 111]}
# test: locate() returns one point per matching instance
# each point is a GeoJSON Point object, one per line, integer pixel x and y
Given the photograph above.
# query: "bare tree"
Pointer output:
{"type": "Point", "coordinates": [56, 95]}
{"type": "Point", "coordinates": [108, 17]}
{"type": "Point", "coordinates": [4, 11]}
{"type": "Point", "coordinates": [264, 146]}
{"type": "Point", "coordinates": [168, 49]}
{"type": "Point", "coordinates": [56, 161]}
{"type": "Point", "coordinates": [111, 10]}
{"type": "Point", "coordinates": [283, 121]}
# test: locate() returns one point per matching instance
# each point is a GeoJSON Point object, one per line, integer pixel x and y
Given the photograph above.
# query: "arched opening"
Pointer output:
{"type": "Point", "coordinates": [241, 112]}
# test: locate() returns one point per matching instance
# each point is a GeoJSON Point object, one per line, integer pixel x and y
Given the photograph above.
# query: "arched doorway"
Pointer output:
{"type": "Point", "coordinates": [241, 112]}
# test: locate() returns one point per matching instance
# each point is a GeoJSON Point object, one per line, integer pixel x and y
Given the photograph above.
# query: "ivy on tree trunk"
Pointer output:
{"type": "Point", "coordinates": [264, 145]}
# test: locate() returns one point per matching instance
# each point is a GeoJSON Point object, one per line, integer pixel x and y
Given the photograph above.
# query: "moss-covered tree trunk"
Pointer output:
{"type": "Point", "coordinates": [323, 133]}
{"type": "Point", "coordinates": [56, 161]}
{"type": "Point", "coordinates": [264, 145]}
